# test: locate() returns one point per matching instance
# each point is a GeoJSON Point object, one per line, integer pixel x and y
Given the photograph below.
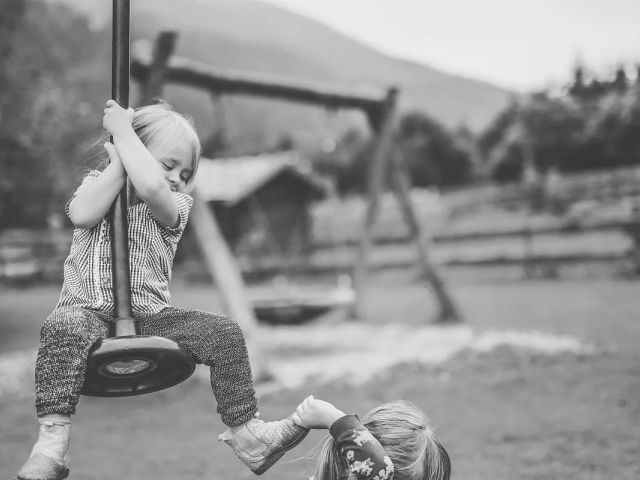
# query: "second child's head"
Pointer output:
{"type": "Point", "coordinates": [403, 431]}
{"type": "Point", "coordinates": [172, 140]}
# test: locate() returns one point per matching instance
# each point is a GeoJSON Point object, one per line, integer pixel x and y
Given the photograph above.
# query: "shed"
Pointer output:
{"type": "Point", "coordinates": [262, 202]}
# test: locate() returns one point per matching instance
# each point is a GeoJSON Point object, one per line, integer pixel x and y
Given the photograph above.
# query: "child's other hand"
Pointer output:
{"type": "Point", "coordinates": [114, 158]}
{"type": "Point", "coordinates": [314, 413]}
{"type": "Point", "coordinates": [116, 119]}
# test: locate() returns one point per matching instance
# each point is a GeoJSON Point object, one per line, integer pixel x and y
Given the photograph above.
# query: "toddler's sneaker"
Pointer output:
{"type": "Point", "coordinates": [260, 444]}
{"type": "Point", "coordinates": [49, 457]}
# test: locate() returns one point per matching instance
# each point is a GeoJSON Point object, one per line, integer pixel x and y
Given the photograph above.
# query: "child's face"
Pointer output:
{"type": "Point", "coordinates": [176, 163]}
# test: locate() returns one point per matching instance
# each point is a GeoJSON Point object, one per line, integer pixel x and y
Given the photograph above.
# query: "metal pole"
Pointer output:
{"type": "Point", "coordinates": [126, 363]}
{"type": "Point", "coordinates": [124, 324]}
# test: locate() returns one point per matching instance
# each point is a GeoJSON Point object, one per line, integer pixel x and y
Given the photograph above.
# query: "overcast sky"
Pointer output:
{"type": "Point", "coordinates": [518, 44]}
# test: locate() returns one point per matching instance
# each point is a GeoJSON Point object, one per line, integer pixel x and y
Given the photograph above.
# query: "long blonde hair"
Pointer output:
{"type": "Point", "coordinates": [161, 124]}
{"type": "Point", "coordinates": [403, 431]}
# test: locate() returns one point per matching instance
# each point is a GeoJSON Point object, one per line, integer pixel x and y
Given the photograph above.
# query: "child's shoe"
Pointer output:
{"type": "Point", "coordinates": [48, 459]}
{"type": "Point", "coordinates": [261, 444]}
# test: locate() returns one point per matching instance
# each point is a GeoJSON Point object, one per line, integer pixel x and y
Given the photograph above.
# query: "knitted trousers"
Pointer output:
{"type": "Point", "coordinates": [213, 340]}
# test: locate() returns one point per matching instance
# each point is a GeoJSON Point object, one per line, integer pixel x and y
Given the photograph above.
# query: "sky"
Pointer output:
{"type": "Point", "coordinates": [518, 44]}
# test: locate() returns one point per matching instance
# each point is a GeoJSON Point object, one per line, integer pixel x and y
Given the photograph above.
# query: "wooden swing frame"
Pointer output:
{"type": "Point", "coordinates": [152, 69]}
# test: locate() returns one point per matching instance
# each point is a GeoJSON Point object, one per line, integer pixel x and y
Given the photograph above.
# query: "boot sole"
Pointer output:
{"type": "Point", "coordinates": [64, 474]}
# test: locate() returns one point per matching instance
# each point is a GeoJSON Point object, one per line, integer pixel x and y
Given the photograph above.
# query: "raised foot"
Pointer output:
{"type": "Point", "coordinates": [261, 444]}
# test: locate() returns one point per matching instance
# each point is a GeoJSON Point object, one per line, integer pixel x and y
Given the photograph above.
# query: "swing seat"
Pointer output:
{"type": "Point", "coordinates": [300, 306]}
{"type": "Point", "coordinates": [134, 365]}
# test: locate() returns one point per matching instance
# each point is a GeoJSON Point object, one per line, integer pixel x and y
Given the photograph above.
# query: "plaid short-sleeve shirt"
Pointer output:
{"type": "Point", "coordinates": [152, 247]}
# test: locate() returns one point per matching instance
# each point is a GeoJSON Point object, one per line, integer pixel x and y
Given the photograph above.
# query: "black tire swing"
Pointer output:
{"type": "Point", "coordinates": [126, 363]}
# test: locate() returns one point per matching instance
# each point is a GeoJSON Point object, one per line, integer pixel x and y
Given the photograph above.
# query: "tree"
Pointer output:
{"type": "Point", "coordinates": [348, 162]}
{"type": "Point", "coordinates": [434, 156]}
{"type": "Point", "coordinates": [592, 126]}
{"type": "Point", "coordinates": [46, 59]}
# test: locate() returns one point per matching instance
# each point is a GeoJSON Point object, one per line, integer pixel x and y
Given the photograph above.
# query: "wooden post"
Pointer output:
{"type": "Point", "coordinates": [400, 182]}
{"type": "Point", "coordinates": [227, 277]}
{"type": "Point", "coordinates": [381, 122]}
{"type": "Point", "coordinates": [633, 230]}
{"type": "Point", "coordinates": [162, 51]}
{"type": "Point", "coordinates": [635, 251]}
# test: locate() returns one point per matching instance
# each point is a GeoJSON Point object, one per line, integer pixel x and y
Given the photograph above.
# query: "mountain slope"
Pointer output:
{"type": "Point", "coordinates": [257, 36]}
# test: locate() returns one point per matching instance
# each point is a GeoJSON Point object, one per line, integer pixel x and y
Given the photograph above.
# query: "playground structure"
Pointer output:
{"type": "Point", "coordinates": [261, 203]}
{"type": "Point", "coordinates": [153, 68]}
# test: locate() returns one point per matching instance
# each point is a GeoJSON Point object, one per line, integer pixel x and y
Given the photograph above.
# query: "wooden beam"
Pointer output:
{"type": "Point", "coordinates": [226, 275]}
{"type": "Point", "coordinates": [200, 75]}
{"type": "Point", "coordinates": [382, 124]}
{"type": "Point", "coordinates": [162, 50]}
{"type": "Point", "coordinates": [634, 231]}
{"type": "Point", "coordinates": [401, 185]}
{"type": "Point", "coordinates": [563, 227]}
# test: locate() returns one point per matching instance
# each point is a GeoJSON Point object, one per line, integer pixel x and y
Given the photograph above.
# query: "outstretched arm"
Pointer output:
{"type": "Point", "coordinates": [93, 200]}
{"type": "Point", "coordinates": [362, 452]}
{"type": "Point", "coordinates": [143, 169]}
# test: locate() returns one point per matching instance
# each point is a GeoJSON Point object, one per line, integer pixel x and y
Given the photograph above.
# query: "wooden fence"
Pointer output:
{"type": "Point", "coordinates": [599, 185]}
{"type": "Point", "coordinates": [602, 219]}
{"type": "Point", "coordinates": [456, 222]}
{"type": "Point", "coordinates": [33, 255]}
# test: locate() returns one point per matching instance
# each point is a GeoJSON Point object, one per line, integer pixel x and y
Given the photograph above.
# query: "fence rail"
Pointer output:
{"type": "Point", "coordinates": [29, 254]}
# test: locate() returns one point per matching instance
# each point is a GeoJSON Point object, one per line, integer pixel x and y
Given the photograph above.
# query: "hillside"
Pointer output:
{"type": "Point", "coordinates": [253, 35]}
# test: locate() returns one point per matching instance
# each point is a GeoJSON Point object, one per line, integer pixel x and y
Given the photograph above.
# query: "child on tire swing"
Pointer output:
{"type": "Point", "coordinates": [158, 150]}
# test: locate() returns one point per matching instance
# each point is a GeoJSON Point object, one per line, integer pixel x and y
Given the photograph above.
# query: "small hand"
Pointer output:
{"type": "Point", "coordinates": [314, 413]}
{"type": "Point", "coordinates": [116, 120]}
{"type": "Point", "coordinates": [114, 158]}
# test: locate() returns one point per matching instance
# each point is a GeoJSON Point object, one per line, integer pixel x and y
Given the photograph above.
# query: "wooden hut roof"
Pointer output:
{"type": "Point", "coordinates": [229, 180]}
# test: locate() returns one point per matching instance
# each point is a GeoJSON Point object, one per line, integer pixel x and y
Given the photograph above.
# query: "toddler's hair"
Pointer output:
{"type": "Point", "coordinates": [161, 125]}
{"type": "Point", "coordinates": [403, 431]}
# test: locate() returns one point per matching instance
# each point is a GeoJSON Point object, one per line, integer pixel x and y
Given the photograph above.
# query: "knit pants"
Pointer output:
{"type": "Point", "coordinates": [213, 340]}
